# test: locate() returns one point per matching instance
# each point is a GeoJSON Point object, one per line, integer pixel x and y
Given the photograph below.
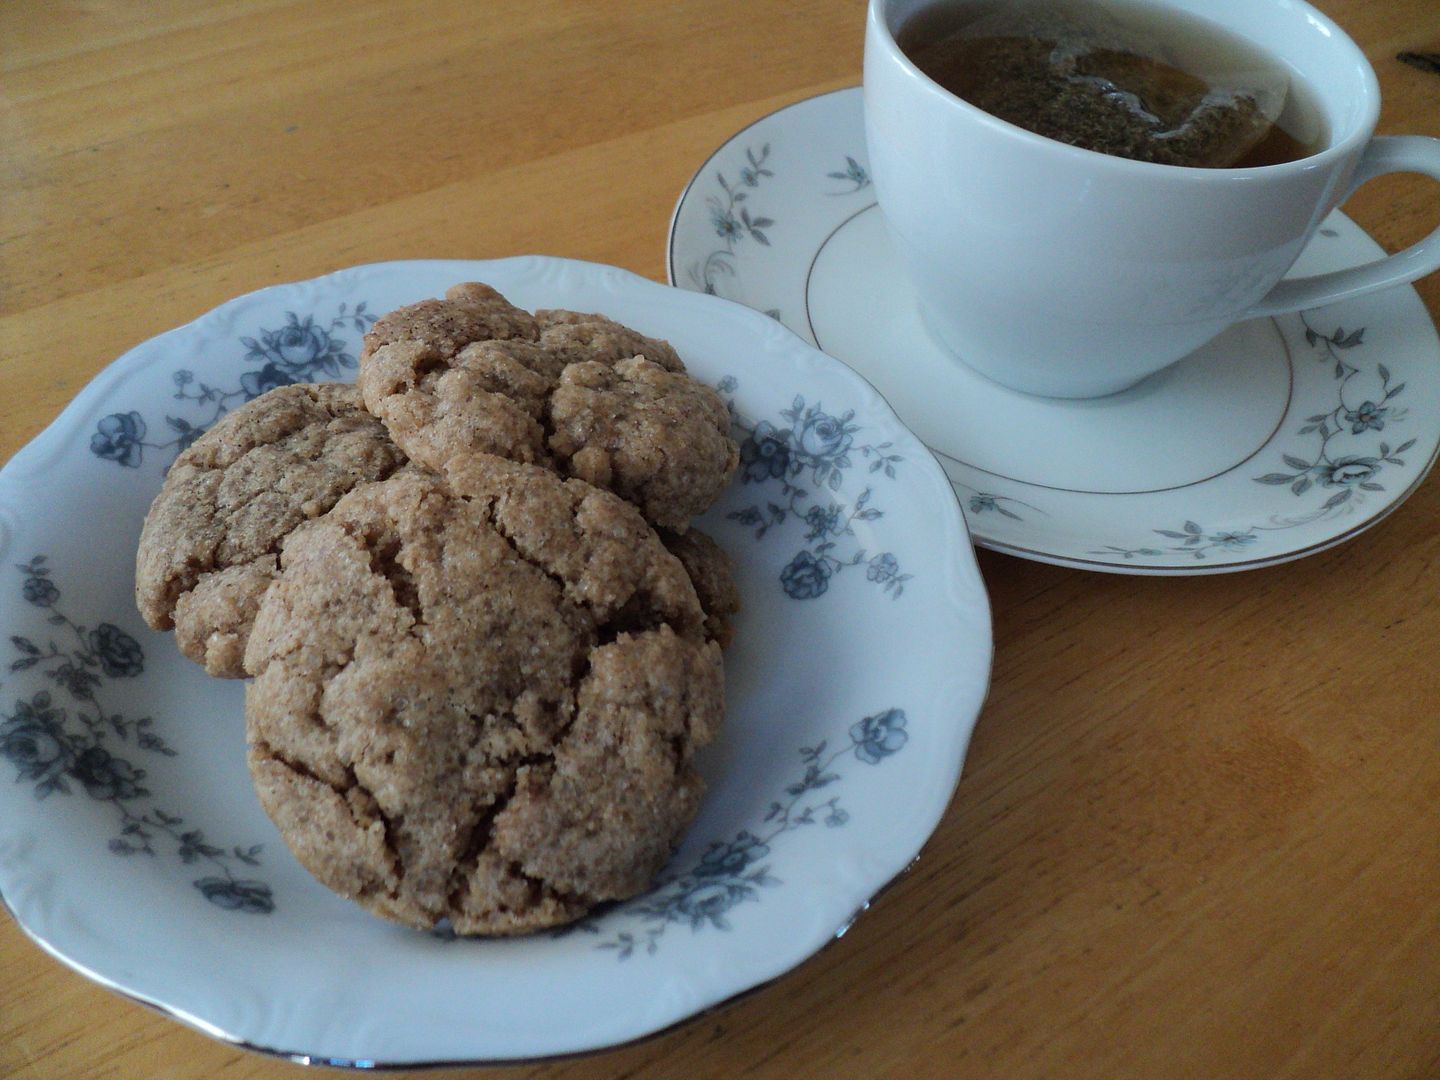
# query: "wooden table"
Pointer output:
{"type": "Point", "coordinates": [1196, 834]}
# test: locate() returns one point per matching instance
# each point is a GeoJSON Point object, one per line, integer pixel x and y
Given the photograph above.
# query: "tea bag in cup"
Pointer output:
{"type": "Point", "coordinates": [1077, 73]}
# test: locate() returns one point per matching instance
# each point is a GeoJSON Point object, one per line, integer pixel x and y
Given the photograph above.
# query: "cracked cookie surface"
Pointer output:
{"type": "Point", "coordinates": [478, 698]}
{"type": "Point", "coordinates": [655, 437]}
{"type": "Point", "coordinates": [209, 546]}
{"type": "Point", "coordinates": [473, 374]}
{"type": "Point", "coordinates": [576, 336]}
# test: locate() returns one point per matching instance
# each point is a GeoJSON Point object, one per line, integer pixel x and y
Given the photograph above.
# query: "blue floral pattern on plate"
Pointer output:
{"type": "Point", "coordinates": [58, 750]}
{"type": "Point", "coordinates": [733, 872]}
{"type": "Point", "coordinates": [304, 349]}
{"type": "Point", "coordinates": [150, 822]}
{"type": "Point", "coordinates": [806, 457]}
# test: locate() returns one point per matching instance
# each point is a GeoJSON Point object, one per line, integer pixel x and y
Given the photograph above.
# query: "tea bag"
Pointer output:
{"type": "Point", "coordinates": [1077, 74]}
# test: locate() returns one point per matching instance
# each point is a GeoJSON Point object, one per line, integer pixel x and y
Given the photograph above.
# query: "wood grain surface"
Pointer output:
{"type": "Point", "coordinates": [1196, 833]}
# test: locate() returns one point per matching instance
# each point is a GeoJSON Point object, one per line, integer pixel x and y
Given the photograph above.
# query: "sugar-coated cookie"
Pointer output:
{"type": "Point", "coordinates": [209, 546]}
{"type": "Point", "coordinates": [478, 698]}
{"type": "Point", "coordinates": [473, 374]}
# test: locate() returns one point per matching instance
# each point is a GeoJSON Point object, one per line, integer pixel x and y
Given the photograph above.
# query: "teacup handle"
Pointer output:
{"type": "Point", "coordinates": [1385, 154]}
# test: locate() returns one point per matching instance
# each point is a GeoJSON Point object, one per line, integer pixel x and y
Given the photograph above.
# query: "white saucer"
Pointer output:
{"type": "Point", "coordinates": [1280, 438]}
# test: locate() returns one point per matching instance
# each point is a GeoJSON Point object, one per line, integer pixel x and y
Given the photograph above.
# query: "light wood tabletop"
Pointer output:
{"type": "Point", "coordinates": [1196, 833]}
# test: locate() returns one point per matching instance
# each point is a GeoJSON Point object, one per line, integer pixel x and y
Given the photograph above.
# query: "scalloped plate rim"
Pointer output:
{"type": "Point", "coordinates": [961, 577]}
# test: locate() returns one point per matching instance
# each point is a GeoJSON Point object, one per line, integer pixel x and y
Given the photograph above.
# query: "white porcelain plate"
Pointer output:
{"type": "Point", "coordinates": [1277, 439]}
{"type": "Point", "coordinates": [132, 846]}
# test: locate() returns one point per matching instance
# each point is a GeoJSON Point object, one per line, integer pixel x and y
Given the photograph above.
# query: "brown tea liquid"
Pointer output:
{"type": "Point", "coordinates": [1119, 79]}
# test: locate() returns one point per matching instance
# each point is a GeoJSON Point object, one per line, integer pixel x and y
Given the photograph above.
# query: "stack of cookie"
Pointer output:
{"type": "Point", "coordinates": [484, 639]}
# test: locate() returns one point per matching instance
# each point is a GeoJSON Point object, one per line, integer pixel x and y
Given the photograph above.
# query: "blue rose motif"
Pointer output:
{"type": "Point", "coordinates": [36, 751]}
{"type": "Point", "coordinates": [255, 383]}
{"type": "Point", "coordinates": [1369, 415]}
{"type": "Point", "coordinates": [806, 577]}
{"type": "Point", "coordinates": [294, 353]}
{"type": "Point", "coordinates": [119, 654]}
{"type": "Point", "coordinates": [981, 503]}
{"type": "Point", "coordinates": [809, 454]}
{"type": "Point", "coordinates": [1348, 471]}
{"type": "Point", "coordinates": [237, 895]}
{"type": "Point", "coordinates": [299, 345]}
{"type": "Point", "coordinates": [823, 438]}
{"type": "Point", "coordinates": [80, 681]}
{"type": "Point", "coordinates": [879, 736]}
{"type": "Point", "coordinates": [725, 860]}
{"type": "Point", "coordinates": [105, 776]}
{"type": "Point", "coordinates": [118, 438]}
{"type": "Point", "coordinates": [882, 568]}
{"type": "Point", "coordinates": [39, 591]}
{"type": "Point", "coordinates": [708, 901]}
{"type": "Point", "coordinates": [32, 740]}
{"type": "Point", "coordinates": [764, 455]}
{"type": "Point", "coordinates": [822, 521]}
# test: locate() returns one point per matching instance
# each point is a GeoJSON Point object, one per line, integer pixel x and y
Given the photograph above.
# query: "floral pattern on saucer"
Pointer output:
{"type": "Point", "coordinates": [1359, 432]}
{"type": "Point", "coordinates": [1366, 399]}
{"type": "Point", "coordinates": [732, 220]}
{"type": "Point", "coordinates": [1352, 472]}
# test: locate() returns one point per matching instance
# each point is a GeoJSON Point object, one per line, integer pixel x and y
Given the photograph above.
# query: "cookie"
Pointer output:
{"type": "Point", "coordinates": [472, 374]}
{"type": "Point", "coordinates": [655, 437]}
{"type": "Point", "coordinates": [714, 580]}
{"type": "Point", "coordinates": [575, 336]}
{"type": "Point", "coordinates": [478, 698]}
{"type": "Point", "coordinates": [469, 312]}
{"type": "Point", "coordinates": [209, 546]}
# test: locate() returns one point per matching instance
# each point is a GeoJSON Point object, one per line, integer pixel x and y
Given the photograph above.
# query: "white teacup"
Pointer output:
{"type": "Point", "coordinates": [1064, 272]}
